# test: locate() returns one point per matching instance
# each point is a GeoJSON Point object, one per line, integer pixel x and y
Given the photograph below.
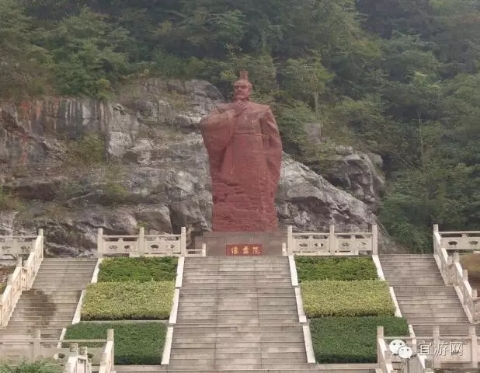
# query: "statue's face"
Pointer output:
{"type": "Point", "coordinates": [242, 90]}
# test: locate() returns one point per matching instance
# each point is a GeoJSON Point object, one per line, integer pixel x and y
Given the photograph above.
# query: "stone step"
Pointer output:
{"type": "Point", "coordinates": [239, 282]}
{"type": "Point", "coordinates": [241, 340]}
{"type": "Point", "coordinates": [233, 290]}
{"type": "Point", "coordinates": [436, 302]}
{"type": "Point", "coordinates": [189, 330]}
{"type": "Point", "coordinates": [237, 277]}
{"type": "Point", "coordinates": [233, 364]}
{"type": "Point", "coordinates": [413, 281]}
{"type": "Point", "coordinates": [240, 320]}
{"type": "Point", "coordinates": [434, 289]}
{"type": "Point", "coordinates": [237, 322]}
{"type": "Point", "coordinates": [434, 319]}
{"type": "Point", "coordinates": [234, 354]}
{"type": "Point", "coordinates": [238, 308]}
{"type": "Point", "coordinates": [238, 300]}
{"type": "Point", "coordinates": [26, 317]}
{"type": "Point", "coordinates": [35, 325]}
{"type": "Point", "coordinates": [251, 313]}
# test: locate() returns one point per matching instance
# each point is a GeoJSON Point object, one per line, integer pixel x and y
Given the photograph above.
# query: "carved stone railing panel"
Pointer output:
{"type": "Point", "coordinates": [311, 243]}
{"type": "Point", "coordinates": [141, 244]}
{"type": "Point", "coordinates": [16, 245]}
{"type": "Point", "coordinates": [332, 243]}
{"type": "Point", "coordinates": [460, 241]}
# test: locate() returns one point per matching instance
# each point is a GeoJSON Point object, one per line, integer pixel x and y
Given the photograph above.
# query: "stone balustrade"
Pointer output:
{"type": "Point", "coordinates": [75, 359]}
{"type": "Point", "coordinates": [332, 243]}
{"type": "Point", "coordinates": [142, 244]}
{"type": "Point", "coordinates": [16, 245]}
{"type": "Point", "coordinates": [430, 352]}
{"type": "Point", "coordinates": [451, 269]}
{"type": "Point", "coordinates": [24, 274]}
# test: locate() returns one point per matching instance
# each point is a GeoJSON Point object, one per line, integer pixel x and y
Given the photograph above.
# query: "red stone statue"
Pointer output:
{"type": "Point", "coordinates": [245, 155]}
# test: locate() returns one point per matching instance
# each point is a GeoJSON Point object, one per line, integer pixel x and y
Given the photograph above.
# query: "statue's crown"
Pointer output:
{"type": "Point", "coordinates": [243, 75]}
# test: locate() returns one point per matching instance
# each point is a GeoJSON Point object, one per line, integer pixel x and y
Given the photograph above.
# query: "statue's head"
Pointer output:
{"type": "Point", "coordinates": [242, 87]}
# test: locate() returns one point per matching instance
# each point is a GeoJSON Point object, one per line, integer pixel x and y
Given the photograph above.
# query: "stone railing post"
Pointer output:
{"type": "Point", "coordinates": [374, 239]}
{"type": "Point", "coordinates": [331, 240]}
{"type": "Point", "coordinates": [183, 241]}
{"type": "Point", "coordinates": [290, 240]}
{"type": "Point", "coordinates": [141, 243]}
{"type": "Point", "coordinates": [437, 362]}
{"type": "Point", "coordinates": [472, 333]}
{"type": "Point", "coordinates": [40, 233]}
{"type": "Point", "coordinates": [379, 336]}
{"type": "Point", "coordinates": [110, 338]}
{"type": "Point", "coordinates": [36, 348]}
{"type": "Point", "coordinates": [100, 243]}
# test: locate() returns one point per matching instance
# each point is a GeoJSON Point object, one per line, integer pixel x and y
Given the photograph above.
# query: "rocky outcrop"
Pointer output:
{"type": "Point", "coordinates": [156, 174]}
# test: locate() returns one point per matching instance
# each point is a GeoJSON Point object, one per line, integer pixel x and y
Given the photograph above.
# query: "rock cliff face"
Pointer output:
{"type": "Point", "coordinates": [155, 175]}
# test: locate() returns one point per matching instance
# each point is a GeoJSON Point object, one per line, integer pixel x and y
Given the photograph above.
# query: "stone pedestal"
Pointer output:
{"type": "Point", "coordinates": [242, 243]}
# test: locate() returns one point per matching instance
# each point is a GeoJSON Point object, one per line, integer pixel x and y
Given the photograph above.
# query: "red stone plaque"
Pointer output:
{"type": "Point", "coordinates": [247, 249]}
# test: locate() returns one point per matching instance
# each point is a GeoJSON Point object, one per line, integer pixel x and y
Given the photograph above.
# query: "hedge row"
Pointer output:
{"type": "Point", "coordinates": [332, 268]}
{"type": "Point", "coordinates": [128, 301]}
{"type": "Point", "coordinates": [351, 339]}
{"type": "Point", "coordinates": [136, 343]}
{"type": "Point", "coordinates": [347, 298]}
{"type": "Point", "coordinates": [141, 269]}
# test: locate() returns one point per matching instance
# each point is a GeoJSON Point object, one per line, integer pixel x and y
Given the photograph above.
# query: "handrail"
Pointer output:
{"type": "Point", "coordinates": [453, 274]}
{"type": "Point", "coordinates": [11, 294]}
{"type": "Point", "coordinates": [21, 279]}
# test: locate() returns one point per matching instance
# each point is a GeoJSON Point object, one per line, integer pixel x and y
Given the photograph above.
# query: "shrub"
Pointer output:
{"type": "Point", "coordinates": [339, 340]}
{"type": "Point", "coordinates": [128, 301]}
{"type": "Point", "coordinates": [347, 298]}
{"type": "Point", "coordinates": [41, 366]}
{"type": "Point", "coordinates": [331, 268]}
{"type": "Point", "coordinates": [135, 343]}
{"type": "Point", "coordinates": [471, 262]}
{"type": "Point", "coordinates": [141, 269]}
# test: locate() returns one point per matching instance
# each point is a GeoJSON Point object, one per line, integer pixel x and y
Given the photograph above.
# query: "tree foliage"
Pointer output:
{"type": "Point", "coordinates": [399, 78]}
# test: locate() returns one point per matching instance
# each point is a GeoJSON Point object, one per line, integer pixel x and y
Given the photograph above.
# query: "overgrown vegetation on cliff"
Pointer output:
{"type": "Point", "coordinates": [398, 78]}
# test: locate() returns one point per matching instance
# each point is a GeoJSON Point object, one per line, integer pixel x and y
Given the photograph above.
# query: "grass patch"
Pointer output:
{"type": "Point", "coordinates": [331, 268]}
{"type": "Point", "coordinates": [338, 340]}
{"type": "Point", "coordinates": [471, 262]}
{"type": "Point", "coordinates": [128, 301]}
{"type": "Point", "coordinates": [135, 343]}
{"type": "Point", "coordinates": [141, 269]}
{"type": "Point", "coordinates": [347, 298]}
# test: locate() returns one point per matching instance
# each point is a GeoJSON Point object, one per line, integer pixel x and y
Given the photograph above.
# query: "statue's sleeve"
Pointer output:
{"type": "Point", "coordinates": [272, 145]}
{"type": "Point", "coordinates": [217, 130]}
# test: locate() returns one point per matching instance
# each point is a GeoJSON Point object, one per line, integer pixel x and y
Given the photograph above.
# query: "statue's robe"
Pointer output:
{"type": "Point", "coordinates": [245, 155]}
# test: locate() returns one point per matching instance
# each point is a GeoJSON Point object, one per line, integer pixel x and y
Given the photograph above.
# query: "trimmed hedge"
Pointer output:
{"type": "Point", "coordinates": [136, 343]}
{"type": "Point", "coordinates": [128, 301]}
{"type": "Point", "coordinates": [141, 269]}
{"type": "Point", "coordinates": [331, 268]}
{"type": "Point", "coordinates": [40, 366]}
{"type": "Point", "coordinates": [338, 340]}
{"type": "Point", "coordinates": [347, 298]}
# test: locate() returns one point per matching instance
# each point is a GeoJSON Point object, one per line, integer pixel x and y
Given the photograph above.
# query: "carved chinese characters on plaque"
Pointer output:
{"type": "Point", "coordinates": [244, 249]}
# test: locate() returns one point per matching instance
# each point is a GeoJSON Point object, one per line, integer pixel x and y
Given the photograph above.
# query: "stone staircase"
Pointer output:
{"type": "Point", "coordinates": [237, 314]}
{"type": "Point", "coordinates": [422, 296]}
{"type": "Point", "coordinates": [51, 303]}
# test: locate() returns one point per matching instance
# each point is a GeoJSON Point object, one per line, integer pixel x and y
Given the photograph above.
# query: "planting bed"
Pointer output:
{"type": "Point", "coordinates": [345, 301]}
{"type": "Point", "coordinates": [136, 343]}
{"type": "Point", "coordinates": [130, 289]}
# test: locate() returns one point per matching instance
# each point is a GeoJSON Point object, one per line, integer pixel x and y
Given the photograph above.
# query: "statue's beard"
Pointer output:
{"type": "Point", "coordinates": [241, 97]}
